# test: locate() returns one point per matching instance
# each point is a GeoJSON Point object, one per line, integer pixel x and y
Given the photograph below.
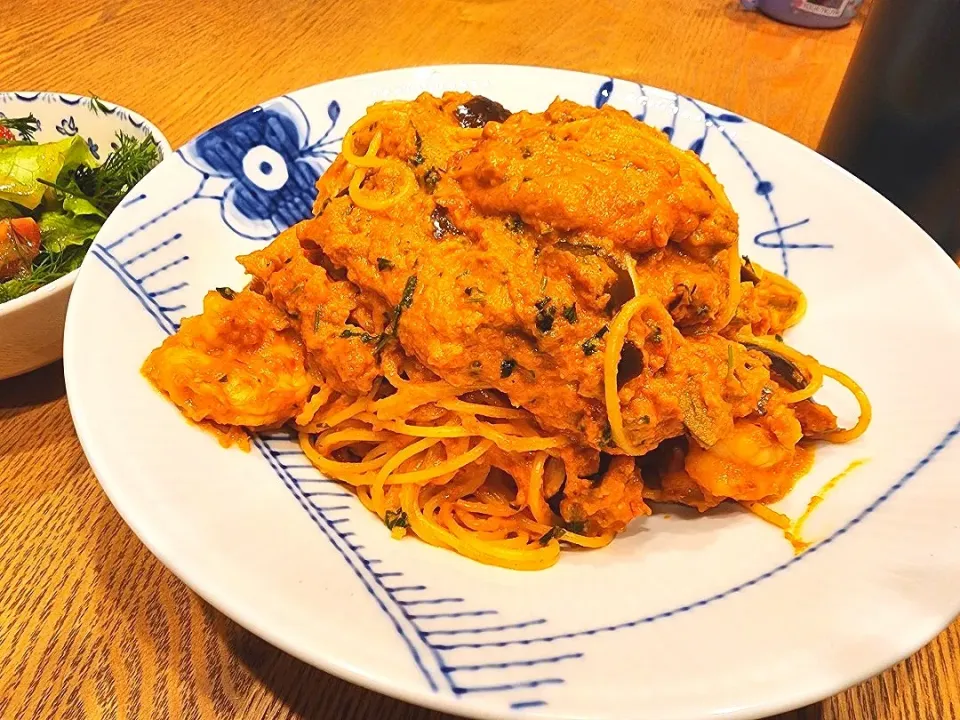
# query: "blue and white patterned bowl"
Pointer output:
{"type": "Point", "coordinates": [31, 327]}
{"type": "Point", "coordinates": [682, 617]}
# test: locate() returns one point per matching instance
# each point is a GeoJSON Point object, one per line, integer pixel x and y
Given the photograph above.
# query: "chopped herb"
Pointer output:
{"type": "Point", "coordinates": [430, 179]}
{"type": "Point", "coordinates": [554, 533]}
{"type": "Point", "coordinates": [570, 313]}
{"type": "Point", "coordinates": [406, 299]}
{"type": "Point", "coordinates": [576, 526]}
{"type": "Point", "coordinates": [396, 519]}
{"type": "Point", "coordinates": [656, 334]}
{"type": "Point", "coordinates": [590, 345]}
{"type": "Point", "coordinates": [25, 127]}
{"type": "Point", "coordinates": [362, 334]}
{"type": "Point", "coordinates": [545, 314]}
{"type": "Point", "coordinates": [644, 420]}
{"type": "Point", "coordinates": [105, 186]}
{"type": "Point", "coordinates": [47, 268]}
{"type": "Point", "coordinates": [222, 378]}
{"type": "Point", "coordinates": [417, 159]}
{"type": "Point", "coordinates": [729, 360]}
{"type": "Point", "coordinates": [606, 438]}
{"type": "Point", "coordinates": [515, 224]}
{"type": "Point", "coordinates": [545, 320]}
{"type": "Point", "coordinates": [226, 293]}
{"type": "Point", "coordinates": [98, 106]}
{"type": "Point", "coordinates": [506, 367]}
{"type": "Point", "coordinates": [390, 332]}
{"type": "Point", "coordinates": [316, 320]}
{"type": "Point", "coordinates": [384, 264]}
{"type": "Point", "coordinates": [778, 337]}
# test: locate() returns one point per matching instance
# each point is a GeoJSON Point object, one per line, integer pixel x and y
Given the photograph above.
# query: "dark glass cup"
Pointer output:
{"type": "Point", "coordinates": [896, 121]}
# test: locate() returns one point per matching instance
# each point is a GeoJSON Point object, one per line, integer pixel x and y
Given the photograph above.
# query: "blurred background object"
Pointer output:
{"type": "Point", "coordinates": [896, 121]}
{"type": "Point", "coordinates": [808, 13]}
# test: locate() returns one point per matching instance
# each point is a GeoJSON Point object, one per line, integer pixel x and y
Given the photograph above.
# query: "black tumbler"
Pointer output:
{"type": "Point", "coordinates": [896, 121]}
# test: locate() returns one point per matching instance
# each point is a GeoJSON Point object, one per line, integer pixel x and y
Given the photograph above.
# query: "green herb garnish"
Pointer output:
{"type": "Point", "coordinates": [606, 437]}
{"type": "Point", "coordinates": [545, 314]}
{"type": "Point", "coordinates": [362, 334]}
{"type": "Point", "coordinates": [25, 127]}
{"type": "Point", "coordinates": [554, 533]}
{"type": "Point", "coordinates": [46, 268]}
{"type": "Point", "coordinates": [656, 334]}
{"type": "Point", "coordinates": [515, 224]}
{"type": "Point", "coordinates": [590, 345]}
{"type": "Point", "coordinates": [97, 105]}
{"type": "Point", "coordinates": [396, 519]}
{"type": "Point", "coordinates": [430, 179]}
{"type": "Point", "coordinates": [417, 159]}
{"type": "Point", "coordinates": [104, 186]}
{"type": "Point", "coordinates": [390, 332]}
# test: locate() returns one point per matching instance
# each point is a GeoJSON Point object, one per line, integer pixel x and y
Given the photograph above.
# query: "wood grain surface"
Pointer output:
{"type": "Point", "coordinates": [91, 625]}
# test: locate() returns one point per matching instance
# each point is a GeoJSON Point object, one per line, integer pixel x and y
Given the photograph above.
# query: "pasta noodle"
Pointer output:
{"type": "Point", "coordinates": [451, 338]}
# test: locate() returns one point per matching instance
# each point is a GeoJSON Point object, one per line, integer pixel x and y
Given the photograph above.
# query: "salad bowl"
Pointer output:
{"type": "Point", "coordinates": [31, 325]}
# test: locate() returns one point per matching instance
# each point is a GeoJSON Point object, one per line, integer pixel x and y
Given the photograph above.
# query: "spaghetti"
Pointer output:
{"type": "Point", "coordinates": [450, 336]}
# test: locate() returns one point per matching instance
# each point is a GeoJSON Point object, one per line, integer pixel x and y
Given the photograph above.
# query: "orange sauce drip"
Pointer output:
{"type": "Point", "coordinates": [793, 534]}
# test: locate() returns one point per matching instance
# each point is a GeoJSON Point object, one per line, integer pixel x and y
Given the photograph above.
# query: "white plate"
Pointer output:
{"type": "Point", "coordinates": [682, 617]}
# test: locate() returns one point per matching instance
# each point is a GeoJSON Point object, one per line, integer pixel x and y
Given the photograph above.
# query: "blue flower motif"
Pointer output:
{"type": "Point", "coordinates": [273, 170]}
{"type": "Point", "coordinates": [67, 126]}
{"type": "Point", "coordinates": [94, 148]}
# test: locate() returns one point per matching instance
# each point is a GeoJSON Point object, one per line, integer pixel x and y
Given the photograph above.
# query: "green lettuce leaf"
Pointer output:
{"type": "Point", "coordinates": [23, 166]}
{"type": "Point", "coordinates": [81, 206]}
{"type": "Point", "coordinates": [59, 231]}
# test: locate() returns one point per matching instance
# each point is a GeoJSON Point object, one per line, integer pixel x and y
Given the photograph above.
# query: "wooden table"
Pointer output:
{"type": "Point", "coordinates": [91, 625]}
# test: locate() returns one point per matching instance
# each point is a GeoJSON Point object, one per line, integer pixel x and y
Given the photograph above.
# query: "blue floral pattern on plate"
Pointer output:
{"type": "Point", "coordinates": [271, 167]}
